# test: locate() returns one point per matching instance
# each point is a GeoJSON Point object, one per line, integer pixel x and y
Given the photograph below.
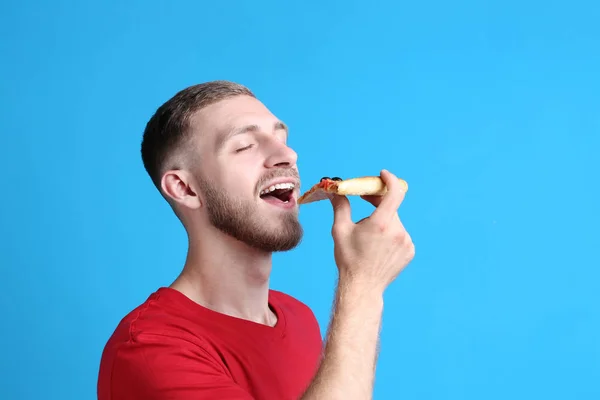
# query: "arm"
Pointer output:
{"type": "Point", "coordinates": [369, 255]}
{"type": "Point", "coordinates": [348, 367]}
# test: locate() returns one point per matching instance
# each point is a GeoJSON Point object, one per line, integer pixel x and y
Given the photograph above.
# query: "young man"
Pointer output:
{"type": "Point", "coordinates": [220, 159]}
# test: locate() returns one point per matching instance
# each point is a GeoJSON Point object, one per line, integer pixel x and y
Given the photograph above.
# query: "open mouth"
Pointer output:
{"type": "Point", "coordinates": [279, 193]}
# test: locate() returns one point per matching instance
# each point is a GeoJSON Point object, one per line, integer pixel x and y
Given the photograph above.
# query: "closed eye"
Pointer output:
{"type": "Point", "coordinates": [244, 148]}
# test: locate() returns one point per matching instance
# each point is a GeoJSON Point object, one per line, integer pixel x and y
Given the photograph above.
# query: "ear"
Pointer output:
{"type": "Point", "coordinates": [178, 185]}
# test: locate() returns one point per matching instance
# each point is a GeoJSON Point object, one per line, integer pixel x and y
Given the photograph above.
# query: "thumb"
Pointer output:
{"type": "Point", "coordinates": [342, 215]}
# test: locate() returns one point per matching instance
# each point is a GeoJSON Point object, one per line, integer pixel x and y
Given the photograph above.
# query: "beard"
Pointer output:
{"type": "Point", "coordinates": [241, 220]}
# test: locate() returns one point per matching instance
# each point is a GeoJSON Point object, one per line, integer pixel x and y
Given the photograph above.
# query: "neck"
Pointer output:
{"type": "Point", "coordinates": [228, 277]}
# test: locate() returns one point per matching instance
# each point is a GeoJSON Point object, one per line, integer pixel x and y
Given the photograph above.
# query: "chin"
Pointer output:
{"type": "Point", "coordinates": [282, 235]}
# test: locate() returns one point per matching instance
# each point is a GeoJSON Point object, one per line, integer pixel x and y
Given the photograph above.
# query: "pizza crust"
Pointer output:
{"type": "Point", "coordinates": [363, 186]}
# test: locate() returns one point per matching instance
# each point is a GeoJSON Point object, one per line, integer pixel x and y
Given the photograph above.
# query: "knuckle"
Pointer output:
{"type": "Point", "coordinates": [410, 249]}
{"type": "Point", "coordinates": [399, 237]}
{"type": "Point", "coordinates": [337, 231]}
{"type": "Point", "coordinates": [381, 226]}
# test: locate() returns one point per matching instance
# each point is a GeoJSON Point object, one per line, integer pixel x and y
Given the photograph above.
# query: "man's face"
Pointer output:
{"type": "Point", "coordinates": [243, 153]}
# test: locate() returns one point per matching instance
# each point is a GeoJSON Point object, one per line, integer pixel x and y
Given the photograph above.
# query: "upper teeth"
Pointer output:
{"type": "Point", "coordinates": [278, 186]}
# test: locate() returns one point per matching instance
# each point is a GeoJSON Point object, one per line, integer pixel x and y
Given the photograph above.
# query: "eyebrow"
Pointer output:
{"type": "Point", "coordinates": [246, 129]}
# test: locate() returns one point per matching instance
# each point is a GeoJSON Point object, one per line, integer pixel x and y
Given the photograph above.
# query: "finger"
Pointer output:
{"type": "Point", "coordinates": [374, 200]}
{"type": "Point", "coordinates": [388, 207]}
{"type": "Point", "coordinates": [342, 215]}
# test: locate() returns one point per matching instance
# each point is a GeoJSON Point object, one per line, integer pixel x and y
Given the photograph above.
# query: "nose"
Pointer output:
{"type": "Point", "coordinates": [281, 155]}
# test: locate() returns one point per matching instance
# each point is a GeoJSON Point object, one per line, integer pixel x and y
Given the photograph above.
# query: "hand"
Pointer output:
{"type": "Point", "coordinates": [374, 251]}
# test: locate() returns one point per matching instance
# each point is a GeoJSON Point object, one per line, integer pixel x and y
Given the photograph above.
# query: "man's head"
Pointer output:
{"type": "Point", "coordinates": [212, 150]}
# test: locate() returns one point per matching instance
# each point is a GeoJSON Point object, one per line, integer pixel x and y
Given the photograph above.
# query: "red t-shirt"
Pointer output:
{"type": "Point", "coordinates": [172, 348]}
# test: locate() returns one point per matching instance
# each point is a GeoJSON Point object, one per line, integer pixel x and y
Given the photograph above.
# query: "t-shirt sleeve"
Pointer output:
{"type": "Point", "coordinates": [160, 367]}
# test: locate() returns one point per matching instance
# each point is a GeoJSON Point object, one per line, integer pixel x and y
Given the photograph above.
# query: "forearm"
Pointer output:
{"type": "Point", "coordinates": [348, 366]}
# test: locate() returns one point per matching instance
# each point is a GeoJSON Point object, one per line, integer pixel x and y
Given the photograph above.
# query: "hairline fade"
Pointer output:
{"type": "Point", "coordinates": [168, 130]}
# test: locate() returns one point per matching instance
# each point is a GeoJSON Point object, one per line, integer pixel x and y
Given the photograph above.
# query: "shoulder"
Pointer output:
{"type": "Point", "coordinates": [159, 317]}
{"type": "Point", "coordinates": [157, 327]}
{"type": "Point", "coordinates": [160, 349]}
{"type": "Point", "coordinates": [153, 348]}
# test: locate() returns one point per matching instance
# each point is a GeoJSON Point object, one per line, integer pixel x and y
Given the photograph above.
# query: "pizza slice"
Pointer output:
{"type": "Point", "coordinates": [363, 186]}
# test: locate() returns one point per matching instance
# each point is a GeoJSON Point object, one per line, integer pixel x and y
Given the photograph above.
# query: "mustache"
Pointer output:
{"type": "Point", "coordinates": [279, 173]}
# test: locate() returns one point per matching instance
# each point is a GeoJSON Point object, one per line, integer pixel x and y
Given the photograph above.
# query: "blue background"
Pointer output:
{"type": "Point", "coordinates": [489, 109]}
